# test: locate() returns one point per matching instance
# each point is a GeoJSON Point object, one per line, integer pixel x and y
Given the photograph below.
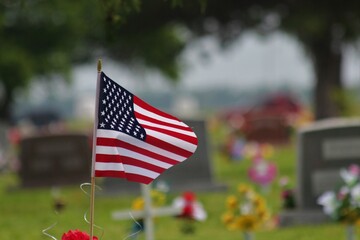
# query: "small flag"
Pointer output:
{"type": "Point", "coordinates": [134, 140]}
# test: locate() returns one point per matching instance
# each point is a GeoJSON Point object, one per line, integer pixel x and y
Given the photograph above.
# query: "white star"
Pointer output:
{"type": "Point", "coordinates": [104, 101]}
{"type": "Point", "coordinates": [102, 113]}
{"type": "Point", "coordinates": [142, 135]}
{"type": "Point", "coordinates": [102, 125]}
{"type": "Point", "coordinates": [104, 90]}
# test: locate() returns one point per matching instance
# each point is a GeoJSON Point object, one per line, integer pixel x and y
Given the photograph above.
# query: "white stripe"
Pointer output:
{"type": "Point", "coordinates": [172, 140]}
{"type": "Point", "coordinates": [128, 153]}
{"type": "Point", "coordinates": [101, 166]}
{"type": "Point", "coordinates": [136, 142]}
{"type": "Point", "coordinates": [147, 113]}
{"type": "Point", "coordinates": [188, 133]}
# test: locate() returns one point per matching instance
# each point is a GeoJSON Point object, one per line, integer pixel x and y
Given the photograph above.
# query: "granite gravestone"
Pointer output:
{"type": "Point", "coordinates": [324, 148]}
{"type": "Point", "coordinates": [55, 160]}
{"type": "Point", "coordinates": [194, 174]}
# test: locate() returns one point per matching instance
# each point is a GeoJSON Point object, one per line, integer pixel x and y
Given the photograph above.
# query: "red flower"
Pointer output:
{"type": "Point", "coordinates": [76, 235]}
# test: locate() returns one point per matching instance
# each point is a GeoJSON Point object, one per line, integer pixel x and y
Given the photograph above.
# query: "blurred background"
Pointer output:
{"type": "Point", "coordinates": [254, 71]}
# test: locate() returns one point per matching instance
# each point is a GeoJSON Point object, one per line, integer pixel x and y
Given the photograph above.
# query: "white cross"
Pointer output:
{"type": "Point", "coordinates": [148, 213]}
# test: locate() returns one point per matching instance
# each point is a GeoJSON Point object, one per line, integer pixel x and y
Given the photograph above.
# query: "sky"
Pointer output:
{"type": "Point", "coordinates": [252, 61]}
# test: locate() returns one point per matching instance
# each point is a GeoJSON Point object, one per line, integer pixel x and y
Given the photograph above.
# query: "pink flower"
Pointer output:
{"type": "Point", "coordinates": [262, 171]}
{"type": "Point", "coordinates": [76, 235]}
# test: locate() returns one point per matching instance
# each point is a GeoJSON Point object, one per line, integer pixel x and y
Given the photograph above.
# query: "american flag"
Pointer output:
{"type": "Point", "coordinates": [134, 140]}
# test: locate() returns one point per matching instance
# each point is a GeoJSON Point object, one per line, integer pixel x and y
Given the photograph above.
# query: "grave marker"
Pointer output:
{"type": "Point", "coordinates": [324, 148]}
{"type": "Point", "coordinates": [148, 213]}
{"type": "Point", "coordinates": [54, 160]}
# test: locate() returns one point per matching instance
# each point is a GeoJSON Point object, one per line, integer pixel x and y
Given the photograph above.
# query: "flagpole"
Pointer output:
{"type": "Point", "coordinates": [92, 191]}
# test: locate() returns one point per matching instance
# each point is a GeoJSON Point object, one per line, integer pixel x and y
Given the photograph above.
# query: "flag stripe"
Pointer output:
{"type": "Point", "coordinates": [174, 149]}
{"type": "Point", "coordinates": [141, 144]}
{"type": "Point", "coordinates": [128, 176]}
{"type": "Point", "coordinates": [110, 142]}
{"type": "Point", "coordinates": [161, 126]}
{"type": "Point", "coordinates": [142, 117]}
{"type": "Point", "coordinates": [150, 109]}
{"type": "Point", "coordinates": [100, 166]}
{"type": "Point", "coordinates": [179, 136]}
{"type": "Point", "coordinates": [175, 142]}
{"type": "Point", "coordinates": [128, 153]}
{"type": "Point", "coordinates": [143, 111]}
{"type": "Point", "coordinates": [105, 158]}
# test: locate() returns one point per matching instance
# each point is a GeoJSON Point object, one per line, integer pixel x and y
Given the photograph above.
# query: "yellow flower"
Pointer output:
{"type": "Point", "coordinates": [259, 202]}
{"type": "Point", "coordinates": [244, 188]}
{"type": "Point", "coordinates": [158, 198]}
{"type": "Point", "coordinates": [228, 217]}
{"type": "Point", "coordinates": [247, 223]}
{"type": "Point", "coordinates": [138, 204]}
{"type": "Point", "coordinates": [232, 202]}
{"type": "Point", "coordinates": [262, 213]}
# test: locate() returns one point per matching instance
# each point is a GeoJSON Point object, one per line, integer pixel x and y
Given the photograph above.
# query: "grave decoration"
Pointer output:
{"type": "Point", "coordinates": [246, 211]}
{"type": "Point", "coordinates": [76, 235]}
{"type": "Point", "coordinates": [191, 211]}
{"type": "Point", "coordinates": [287, 194]}
{"type": "Point", "coordinates": [262, 172]}
{"type": "Point", "coordinates": [158, 199]}
{"type": "Point", "coordinates": [134, 141]}
{"type": "Point", "coordinates": [323, 148]}
{"type": "Point", "coordinates": [343, 203]}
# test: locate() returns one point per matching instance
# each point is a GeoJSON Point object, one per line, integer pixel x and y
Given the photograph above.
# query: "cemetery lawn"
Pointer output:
{"type": "Point", "coordinates": [25, 213]}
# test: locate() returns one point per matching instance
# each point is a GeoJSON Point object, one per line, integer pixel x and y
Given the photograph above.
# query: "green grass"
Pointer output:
{"type": "Point", "coordinates": [24, 213]}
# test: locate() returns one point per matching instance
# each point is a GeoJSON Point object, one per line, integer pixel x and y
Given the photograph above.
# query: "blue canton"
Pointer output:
{"type": "Point", "coordinates": [116, 109]}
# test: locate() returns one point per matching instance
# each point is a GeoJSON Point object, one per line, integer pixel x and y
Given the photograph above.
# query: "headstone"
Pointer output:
{"type": "Point", "coordinates": [55, 160]}
{"type": "Point", "coordinates": [194, 174]}
{"type": "Point", "coordinates": [324, 148]}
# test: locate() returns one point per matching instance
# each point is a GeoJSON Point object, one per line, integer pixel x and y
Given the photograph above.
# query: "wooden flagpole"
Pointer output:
{"type": "Point", "coordinates": [148, 215]}
{"type": "Point", "coordinates": [92, 191]}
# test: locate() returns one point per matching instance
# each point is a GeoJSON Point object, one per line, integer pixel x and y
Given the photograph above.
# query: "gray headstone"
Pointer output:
{"type": "Point", "coordinates": [194, 174]}
{"type": "Point", "coordinates": [324, 148]}
{"type": "Point", "coordinates": [55, 160]}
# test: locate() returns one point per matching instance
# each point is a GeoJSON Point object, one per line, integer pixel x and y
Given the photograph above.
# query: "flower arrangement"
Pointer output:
{"type": "Point", "coordinates": [262, 172]}
{"type": "Point", "coordinates": [343, 204]}
{"type": "Point", "coordinates": [246, 211]}
{"type": "Point", "coordinates": [76, 235]}
{"type": "Point", "coordinates": [191, 210]}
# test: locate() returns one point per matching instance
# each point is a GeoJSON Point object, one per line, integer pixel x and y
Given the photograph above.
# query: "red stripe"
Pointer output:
{"type": "Point", "coordinates": [128, 176]}
{"type": "Point", "coordinates": [129, 161]}
{"type": "Point", "coordinates": [153, 120]}
{"type": "Point", "coordinates": [117, 174]}
{"type": "Point", "coordinates": [150, 108]}
{"type": "Point", "coordinates": [109, 158]}
{"type": "Point", "coordinates": [111, 142]}
{"type": "Point", "coordinates": [138, 178]}
{"type": "Point", "coordinates": [181, 136]}
{"type": "Point", "coordinates": [167, 146]}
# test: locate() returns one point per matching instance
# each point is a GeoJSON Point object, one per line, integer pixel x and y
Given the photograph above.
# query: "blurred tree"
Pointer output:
{"type": "Point", "coordinates": [43, 38]}
{"type": "Point", "coordinates": [323, 29]}
{"type": "Point", "coordinates": [40, 39]}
